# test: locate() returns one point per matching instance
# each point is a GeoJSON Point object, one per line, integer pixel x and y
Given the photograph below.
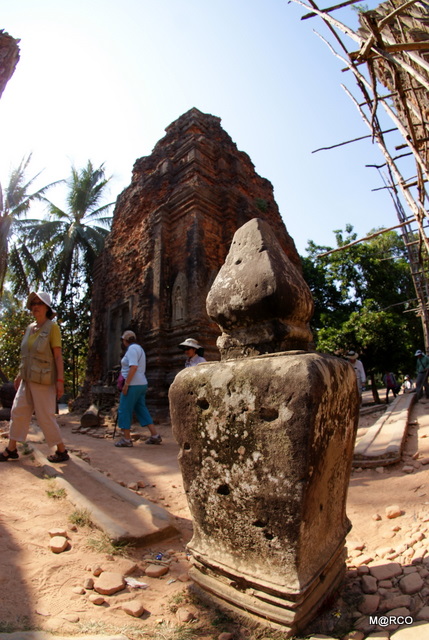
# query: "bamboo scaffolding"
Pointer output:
{"type": "Point", "coordinates": [386, 49]}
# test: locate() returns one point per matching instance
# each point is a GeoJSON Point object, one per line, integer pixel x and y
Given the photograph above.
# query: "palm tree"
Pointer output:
{"type": "Point", "coordinates": [69, 241]}
{"type": "Point", "coordinates": [15, 202]}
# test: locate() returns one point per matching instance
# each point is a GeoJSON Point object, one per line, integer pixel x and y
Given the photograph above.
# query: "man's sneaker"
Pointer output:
{"type": "Point", "coordinates": [122, 442]}
{"type": "Point", "coordinates": [9, 455]}
{"type": "Point", "coordinates": [154, 440]}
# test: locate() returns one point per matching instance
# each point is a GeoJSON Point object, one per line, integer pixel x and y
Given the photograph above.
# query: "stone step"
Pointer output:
{"type": "Point", "coordinates": [382, 443]}
{"type": "Point", "coordinates": [122, 514]}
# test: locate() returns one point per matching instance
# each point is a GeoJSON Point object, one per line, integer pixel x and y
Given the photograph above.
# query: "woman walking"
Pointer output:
{"type": "Point", "coordinates": [133, 394]}
{"type": "Point", "coordinates": [40, 381]}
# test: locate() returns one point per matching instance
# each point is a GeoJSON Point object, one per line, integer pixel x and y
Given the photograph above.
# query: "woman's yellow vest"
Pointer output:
{"type": "Point", "coordinates": [37, 362]}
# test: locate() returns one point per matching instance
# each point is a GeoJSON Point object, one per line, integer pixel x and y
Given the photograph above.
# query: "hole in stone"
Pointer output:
{"type": "Point", "coordinates": [269, 536]}
{"type": "Point", "coordinates": [238, 261]}
{"type": "Point", "coordinates": [202, 403]}
{"type": "Point", "coordinates": [223, 490]}
{"type": "Point", "coordinates": [186, 446]}
{"type": "Point", "coordinates": [321, 507]}
{"type": "Point", "coordinates": [259, 523]}
{"type": "Point", "coordinates": [269, 414]}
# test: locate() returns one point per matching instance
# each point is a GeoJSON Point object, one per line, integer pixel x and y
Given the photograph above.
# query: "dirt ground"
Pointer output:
{"type": "Point", "coordinates": [45, 590]}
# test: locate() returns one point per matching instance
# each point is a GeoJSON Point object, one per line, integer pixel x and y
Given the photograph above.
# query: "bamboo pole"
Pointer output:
{"type": "Point", "coordinates": [351, 244]}
{"type": "Point", "coordinates": [328, 9]}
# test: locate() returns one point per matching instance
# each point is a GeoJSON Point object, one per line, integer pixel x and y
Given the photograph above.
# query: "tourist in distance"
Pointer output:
{"type": "Point", "coordinates": [408, 384]}
{"type": "Point", "coordinates": [133, 393]}
{"type": "Point", "coordinates": [422, 368]}
{"type": "Point", "coordinates": [40, 381]}
{"type": "Point", "coordinates": [391, 384]}
{"type": "Point", "coordinates": [194, 352]}
{"type": "Point", "coordinates": [357, 365]}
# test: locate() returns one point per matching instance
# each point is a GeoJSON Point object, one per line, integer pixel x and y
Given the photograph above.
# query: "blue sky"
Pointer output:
{"type": "Point", "coordinates": [102, 79]}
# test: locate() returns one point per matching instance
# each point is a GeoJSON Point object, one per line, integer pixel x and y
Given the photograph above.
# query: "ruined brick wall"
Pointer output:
{"type": "Point", "coordinates": [9, 56]}
{"type": "Point", "coordinates": [171, 232]}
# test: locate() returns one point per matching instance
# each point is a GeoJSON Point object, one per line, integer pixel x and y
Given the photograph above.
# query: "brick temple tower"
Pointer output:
{"type": "Point", "coordinates": [172, 229]}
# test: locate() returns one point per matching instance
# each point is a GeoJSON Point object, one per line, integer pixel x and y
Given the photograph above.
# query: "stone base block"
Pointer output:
{"type": "Point", "coordinates": [266, 604]}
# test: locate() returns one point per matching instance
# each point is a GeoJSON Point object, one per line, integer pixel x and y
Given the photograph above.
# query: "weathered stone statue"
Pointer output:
{"type": "Point", "coordinates": [266, 438]}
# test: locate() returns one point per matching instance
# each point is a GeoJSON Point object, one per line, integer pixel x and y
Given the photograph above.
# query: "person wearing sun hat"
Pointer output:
{"type": "Point", "coordinates": [194, 352]}
{"type": "Point", "coordinates": [357, 365]}
{"type": "Point", "coordinates": [133, 392]}
{"type": "Point", "coordinates": [422, 369]}
{"type": "Point", "coordinates": [40, 381]}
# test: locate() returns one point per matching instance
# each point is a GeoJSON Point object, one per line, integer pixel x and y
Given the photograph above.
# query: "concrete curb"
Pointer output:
{"type": "Point", "coordinates": [157, 523]}
{"type": "Point", "coordinates": [383, 442]}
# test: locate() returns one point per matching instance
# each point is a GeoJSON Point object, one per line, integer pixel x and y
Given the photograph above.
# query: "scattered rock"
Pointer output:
{"type": "Point", "coordinates": [88, 583]}
{"type": "Point", "coordinates": [423, 614]}
{"type": "Point", "coordinates": [225, 636]}
{"type": "Point", "coordinates": [57, 531]}
{"type": "Point", "coordinates": [156, 570]}
{"type": "Point", "coordinates": [411, 583]}
{"type": "Point", "coordinates": [78, 590]}
{"type": "Point", "coordinates": [386, 571]}
{"type": "Point", "coordinates": [58, 544]}
{"type": "Point", "coordinates": [109, 582]}
{"type": "Point", "coordinates": [134, 608]}
{"type": "Point", "coordinates": [185, 615]}
{"type": "Point", "coordinates": [369, 604]}
{"type": "Point", "coordinates": [183, 577]}
{"type": "Point", "coordinates": [393, 511]}
{"type": "Point", "coordinates": [369, 584]}
{"type": "Point", "coordinates": [71, 617]}
{"type": "Point", "coordinates": [396, 602]}
{"type": "Point", "coordinates": [363, 559]}
{"type": "Point", "coordinates": [354, 635]}
{"type": "Point", "coordinates": [98, 600]}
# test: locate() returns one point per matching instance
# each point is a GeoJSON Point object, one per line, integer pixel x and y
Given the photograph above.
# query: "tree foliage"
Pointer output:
{"type": "Point", "coordinates": [13, 322]}
{"type": "Point", "coordinates": [362, 297]}
{"type": "Point", "coordinates": [15, 202]}
{"type": "Point", "coordinates": [68, 240]}
{"type": "Point", "coordinates": [57, 254]}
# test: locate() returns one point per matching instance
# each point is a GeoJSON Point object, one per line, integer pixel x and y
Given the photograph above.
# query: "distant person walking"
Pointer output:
{"type": "Point", "coordinates": [133, 393]}
{"type": "Point", "coordinates": [391, 384]}
{"type": "Point", "coordinates": [194, 352]}
{"type": "Point", "coordinates": [422, 369]}
{"type": "Point", "coordinates": [40, 381]}
{"type": "Point", "coordinates": [357, 365]}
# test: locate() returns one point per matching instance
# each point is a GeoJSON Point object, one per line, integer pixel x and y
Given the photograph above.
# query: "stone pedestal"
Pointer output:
{"type": "Point", "coordinates": [266, 442]}
{"type": "Point", "coordinates": [265, 451]}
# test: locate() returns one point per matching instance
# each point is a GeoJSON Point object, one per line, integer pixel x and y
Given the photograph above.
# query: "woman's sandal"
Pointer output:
{"type": "Point", "coordinates": [59, 456]}
{"type": "Point", "coordinates": [9, 455]}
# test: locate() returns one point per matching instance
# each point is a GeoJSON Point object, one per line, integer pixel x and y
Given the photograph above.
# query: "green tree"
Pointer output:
{"type": "Point", "coordinates": [361, 295]}
{"type": "Point", "coordinates": [64, 246]}
{"type": "Point", "coordinates": [15, 202]}
{"type": "Point", "coordinates": [13, 323]}
{"type": "Point", "coordinates": [68, 241]}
